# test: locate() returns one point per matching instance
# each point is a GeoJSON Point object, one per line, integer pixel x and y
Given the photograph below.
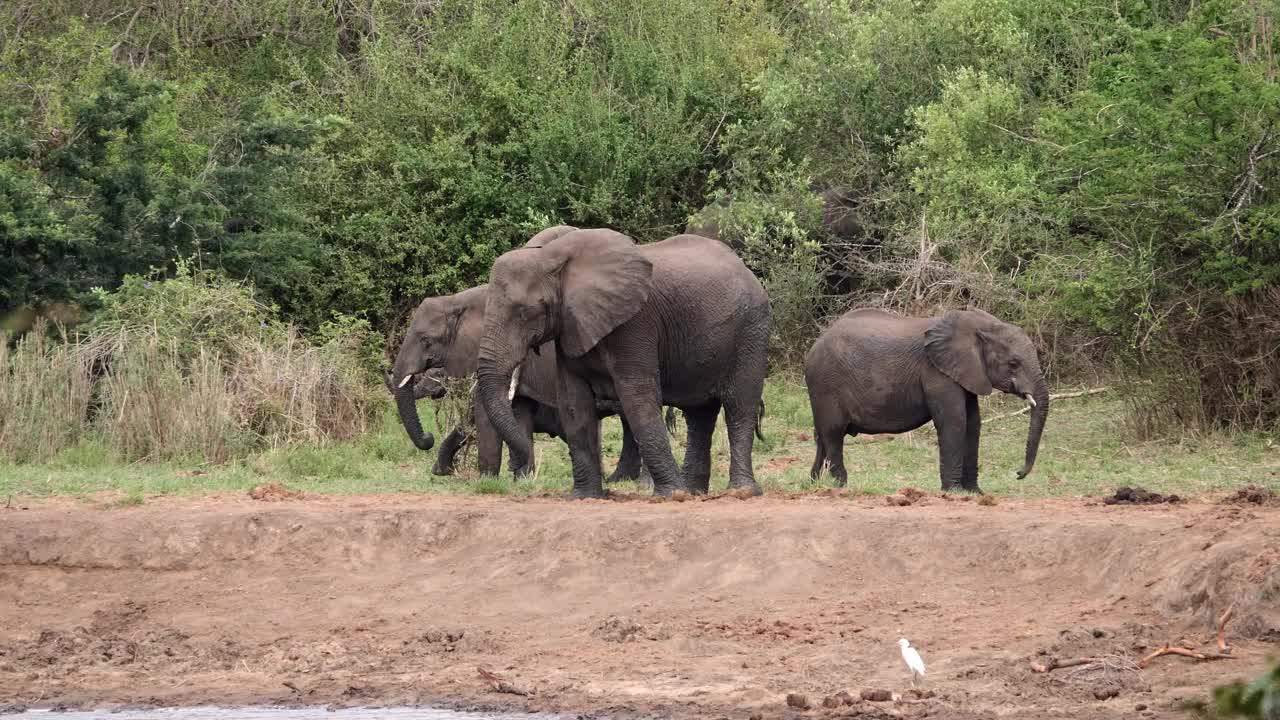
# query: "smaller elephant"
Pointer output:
{"type": "Point", "coordinates": [443, 341]}
{"type": "Point", "coordinates": [877, 372]}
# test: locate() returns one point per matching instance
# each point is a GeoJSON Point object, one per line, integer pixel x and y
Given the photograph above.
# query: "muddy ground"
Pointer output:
{"type": "Point", "coordinates": [631, 608]}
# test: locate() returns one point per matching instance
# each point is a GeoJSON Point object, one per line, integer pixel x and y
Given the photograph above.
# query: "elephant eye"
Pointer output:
{"type": "Point", "coordinates": [1013, 364]}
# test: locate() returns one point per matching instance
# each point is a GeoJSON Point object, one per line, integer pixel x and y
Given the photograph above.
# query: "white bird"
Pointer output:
{"type": "Point", "coordinates": [912, 659]}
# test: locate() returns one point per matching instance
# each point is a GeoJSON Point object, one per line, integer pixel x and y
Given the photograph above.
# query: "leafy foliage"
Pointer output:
{"type": "Point", "coordinates": [1259, 699]}
{"type": "Point", "coordinates": [1103, 173]}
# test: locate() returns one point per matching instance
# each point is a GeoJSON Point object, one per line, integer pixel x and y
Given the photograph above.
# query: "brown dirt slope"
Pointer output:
{"type": "Point", "coordinates": [630, 608]}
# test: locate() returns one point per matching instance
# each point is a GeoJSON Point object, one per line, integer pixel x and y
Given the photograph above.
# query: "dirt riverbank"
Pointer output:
{"type": "Point", "coordinates": [631, 608]}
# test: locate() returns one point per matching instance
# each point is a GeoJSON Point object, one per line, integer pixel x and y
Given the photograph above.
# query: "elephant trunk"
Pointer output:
{"type": "Point", "coordinates": [495, 379]}
{"type": "Point", "coordinates": [1039, 414]}
{"type": "Point", "coordinates": [407, 406]}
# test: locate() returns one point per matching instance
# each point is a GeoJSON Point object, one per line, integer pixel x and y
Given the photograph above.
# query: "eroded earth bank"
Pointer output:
{"type": "Point", "coordinates": [717, 608]}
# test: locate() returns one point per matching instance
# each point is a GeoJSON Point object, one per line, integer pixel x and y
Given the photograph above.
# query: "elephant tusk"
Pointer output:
{"type": "Point", "coordinates": [1031, 400]}
{"type": "Point", "coordinates": [515, 380]}
{"type": "Point", "coordinates": [404, 382]}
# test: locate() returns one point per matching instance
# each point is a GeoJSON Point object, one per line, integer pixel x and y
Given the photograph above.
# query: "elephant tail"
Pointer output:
{"type": "Point", "coordinates": [760, 422]}
{"type": "Point", "coordinates": [671, 420]}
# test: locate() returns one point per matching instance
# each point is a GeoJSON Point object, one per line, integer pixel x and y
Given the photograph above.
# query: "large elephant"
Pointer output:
{"type": "Point", "coordinates": [877, 372]}
{"type": "Point", "coordinates": [680, 322]}
{"type": "Point", "coordinates": [443, 341]}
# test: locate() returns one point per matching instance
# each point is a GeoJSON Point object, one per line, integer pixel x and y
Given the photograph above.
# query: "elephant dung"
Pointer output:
{"type": "Point", "coordinates": [273, 492]}
{"type": "Point", "coordinates": [906, 496]}
{"type": "Point", "coordinates": [1138, 496]}
{"type": "Point", "coordinates": [1251, 495]}
{"type": "Point", "coordinates": [798, 701]}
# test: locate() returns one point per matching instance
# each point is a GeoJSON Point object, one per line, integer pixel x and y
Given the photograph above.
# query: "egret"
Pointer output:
{"type": "Point", "coordinates": [912, 659]}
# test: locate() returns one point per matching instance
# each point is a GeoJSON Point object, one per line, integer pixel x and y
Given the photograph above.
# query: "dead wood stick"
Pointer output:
{"type": "Point", "coordinates": [500, 685]}
{"type": "Point", "coordinates": [1058, 396]}
{"type": "Point", "coordinates": [1185, 652]}
{"type": "Point", "coordinates": [1056, 664]}
{"type": "Point", "coordinates": [1222, 627]}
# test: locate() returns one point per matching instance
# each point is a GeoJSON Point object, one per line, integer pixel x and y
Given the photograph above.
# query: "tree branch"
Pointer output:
{"type": "Point", "coordinates": [1058, 396]}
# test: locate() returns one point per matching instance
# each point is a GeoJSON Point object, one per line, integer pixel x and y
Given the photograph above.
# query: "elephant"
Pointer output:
{"type": "Point", "coordinates": [430, 384]}
{"type": "Point", "coordinates": [680, 322]}
{"type": "Point", "coordinates": [877, 372]}
{"type": "Point", "coordinates": [443, 341]}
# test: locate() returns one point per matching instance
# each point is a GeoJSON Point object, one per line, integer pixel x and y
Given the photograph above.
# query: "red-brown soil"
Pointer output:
{"type": "Point", "coordinates": [630, 608]}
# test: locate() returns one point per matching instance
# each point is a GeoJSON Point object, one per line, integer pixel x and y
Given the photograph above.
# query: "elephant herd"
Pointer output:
{"type": "Point", "coordinates": [581, 324]}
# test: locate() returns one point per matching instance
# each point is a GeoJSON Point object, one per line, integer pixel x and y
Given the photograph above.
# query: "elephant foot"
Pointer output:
{"type": "Point", "coordinates": [666, 490]}
{"type": "Point", "coordinates": [442, 470]}
{"type": "Point", "coordinates": [752, 488]}
{"type": "Point", "coordinates": [619, 476]}
{"type": "Point", "coordinates": [589, 494]}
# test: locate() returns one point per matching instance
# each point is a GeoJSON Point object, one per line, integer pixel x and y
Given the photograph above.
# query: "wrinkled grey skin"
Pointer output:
{"type": "Point", "coordinates": [681, 322]}
{"type": "Point", "coordinates": [877, 372]}
{"type": "Point", "coordinates": [443, 341]}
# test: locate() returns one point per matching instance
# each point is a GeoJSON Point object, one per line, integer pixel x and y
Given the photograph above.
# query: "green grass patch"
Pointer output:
{"type": "Point", "coordinates": [1084, 452]}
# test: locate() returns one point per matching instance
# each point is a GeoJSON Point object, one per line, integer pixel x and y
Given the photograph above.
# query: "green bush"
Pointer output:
{"type": "Point", "coordinates": [1259, 699]}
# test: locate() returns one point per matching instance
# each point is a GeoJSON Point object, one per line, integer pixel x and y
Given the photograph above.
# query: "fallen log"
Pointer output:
{"type": "Point", "coordinates": [1222, 628]}
{"type": "Point", "coordinates": [1056, 664]}
{"type": "Point", "coordinates": [1184, 652]}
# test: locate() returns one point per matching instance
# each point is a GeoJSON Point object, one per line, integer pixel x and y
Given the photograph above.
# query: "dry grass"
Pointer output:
{"type": "Point", "coordinates": [156, 407]}
{"type": "Point", "coordinates": [45, 392]}
{"type": "Point", "coordinates": [147, 398]}
{"type": "Point", "coordinates": [290, 391]}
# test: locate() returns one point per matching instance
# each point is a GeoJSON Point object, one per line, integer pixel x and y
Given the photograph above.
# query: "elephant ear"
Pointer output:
{"type": "Point", "coordinates": [954, 346]}
{"type": "Point", "coordinates": [606, 282]}
{"type": "Point", "coordinates": [545, 237]}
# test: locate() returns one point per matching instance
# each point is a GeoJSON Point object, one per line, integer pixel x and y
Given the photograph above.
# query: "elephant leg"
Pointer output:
{"type": "Point", "coordinates": [641, 402]}
{"type": "Point", "coordinates": [831, 443]}
{"type": "Point", "coordinates": [524, 410]}
{"type": "Point", "coordinates": [697, 453]}
{"type": "Point", "coordinates": [629, 463]}
{"type": "Point", "coordinates": [582, 433]}
{"type": "Point", "coordinates": [449, 451]}
{"type": "Point", "coordinates": [488, 442]}
{"type": "Point", "coordinates": [950, 419]}
{"type": "Point", "coordinates": [741, 402]}
{"type": "Point", "coordinates": [973, 432]}
{"type": "Point", "coordinates": [819, 457]}
{"type": "Point", "coordinates": [645, 480]}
